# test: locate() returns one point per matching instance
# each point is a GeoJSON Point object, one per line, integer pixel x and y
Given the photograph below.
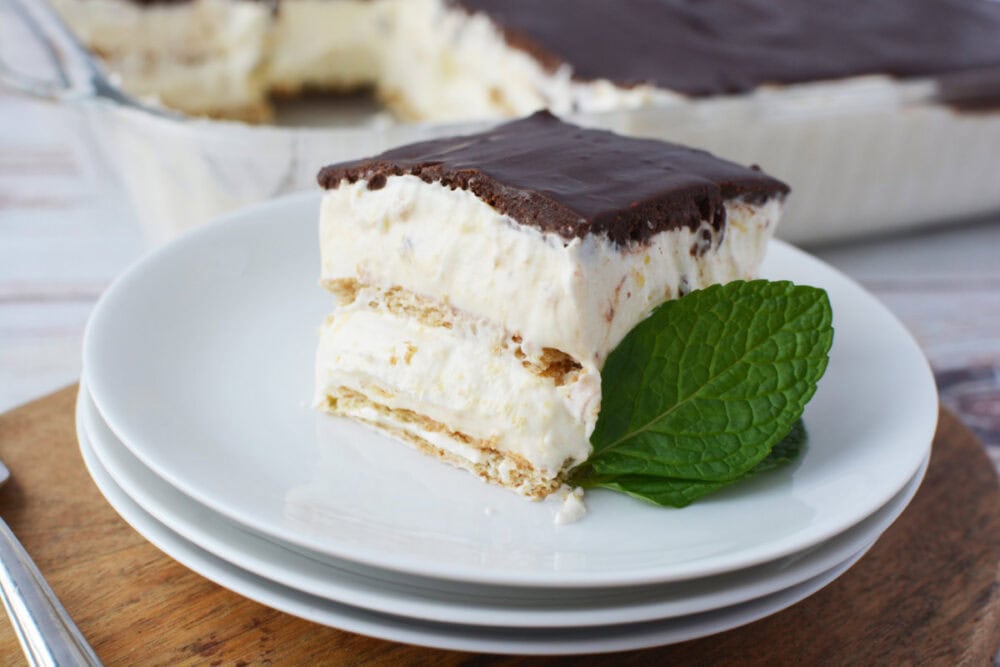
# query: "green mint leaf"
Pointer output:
{"type": "Point", "coordinates": [706, 386]}
{"type": "Point", "coordinates": [681, 492]}
{"type": "Point", "coordinates": [787, 450]}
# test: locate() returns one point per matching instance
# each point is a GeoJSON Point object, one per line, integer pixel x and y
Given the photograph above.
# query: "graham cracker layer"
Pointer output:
{"type": "Point", "coordinates": [550, 363]}
{"type": "Point", "coordinates": [505, 469]}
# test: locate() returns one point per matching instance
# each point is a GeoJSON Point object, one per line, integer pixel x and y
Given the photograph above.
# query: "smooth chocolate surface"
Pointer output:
{"type": "Point", "coordinates": [972, 92]}
{"type": "Point", "coordinates": [710, 47]}
{"type": "Point", "coordinates": [573, 181]}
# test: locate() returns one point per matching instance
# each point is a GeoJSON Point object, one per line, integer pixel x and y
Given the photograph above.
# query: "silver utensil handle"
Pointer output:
{"type": "Point", "coordinates": [44, 628]}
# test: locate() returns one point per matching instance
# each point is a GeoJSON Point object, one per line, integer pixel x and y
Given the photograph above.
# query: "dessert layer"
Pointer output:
{"type": "Point", "coordinates": [319, 44]}
{"type": "Point", "coordinates": [580, 295]}
{"type": "Point", "coordinates": [477, 456]}
{"type": "Point", "coordinates": [713, 48]}
{"type": "Point", "coordinates": [469, 59]}
{"type": "Point", "coordinates": [573, 181]}
{"type": "Point", "coordinates": [201, 57]}
{"type": "Point", "coordinates": [461, 384]}
{"type": "Point", "coordinates": [447, 64]}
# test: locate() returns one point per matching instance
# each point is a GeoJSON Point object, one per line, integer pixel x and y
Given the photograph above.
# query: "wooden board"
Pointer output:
{"type": "Point", "coordinates": [927, 593]}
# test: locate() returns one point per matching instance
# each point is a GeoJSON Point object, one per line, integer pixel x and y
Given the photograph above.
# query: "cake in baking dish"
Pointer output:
{"type": "Point", "coordinates": [459, 59]}
{"type": "Point", "coordinates": [481, 281]}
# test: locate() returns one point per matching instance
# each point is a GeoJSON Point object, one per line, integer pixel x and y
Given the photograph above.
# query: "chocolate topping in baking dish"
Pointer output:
{"type": "Point", "coordinates": [711, 47]}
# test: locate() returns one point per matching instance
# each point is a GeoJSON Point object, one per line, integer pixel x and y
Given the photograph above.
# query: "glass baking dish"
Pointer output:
{"type": "Point", "coordinates": [869, 155]}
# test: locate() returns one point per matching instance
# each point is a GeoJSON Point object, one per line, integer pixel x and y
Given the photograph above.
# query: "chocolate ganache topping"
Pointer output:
{"type": "Point", "coordinates": [573, 181]}
{"type": "Point", "coordinates": [711, 47]}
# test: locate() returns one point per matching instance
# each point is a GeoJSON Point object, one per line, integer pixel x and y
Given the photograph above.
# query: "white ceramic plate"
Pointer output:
{"type": "Point", "coordinates": [521, 641]}
{"type": "Point", "coordinates": [452, 602]}
{"type": "Point", "coordinates": [200, 356]}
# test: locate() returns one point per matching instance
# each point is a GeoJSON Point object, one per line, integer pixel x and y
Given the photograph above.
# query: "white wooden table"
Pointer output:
{"type": "Point", "coordinates": [64, 234]}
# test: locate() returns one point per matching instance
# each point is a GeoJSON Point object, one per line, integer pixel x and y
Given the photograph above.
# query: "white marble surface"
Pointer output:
{"type": "Point", "coordinates": [65, 233]}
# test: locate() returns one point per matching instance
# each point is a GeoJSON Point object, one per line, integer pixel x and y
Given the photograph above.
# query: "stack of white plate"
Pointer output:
{"type": "Point", "coordinates": [195, 423]}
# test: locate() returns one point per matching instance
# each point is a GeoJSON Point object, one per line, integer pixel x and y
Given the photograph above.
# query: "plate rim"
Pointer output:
{"type": "Point", "coordinates": [823, 557]}
{"type": "Point", "coordinates": [508, 641]}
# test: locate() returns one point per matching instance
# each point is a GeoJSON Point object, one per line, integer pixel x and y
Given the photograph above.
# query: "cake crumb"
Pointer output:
{"type": "Point", "coordinates": [572, 508]}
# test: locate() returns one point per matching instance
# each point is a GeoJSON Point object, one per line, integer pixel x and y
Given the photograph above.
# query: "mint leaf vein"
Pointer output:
{"type": "Point", "coordinates": [706, 387]}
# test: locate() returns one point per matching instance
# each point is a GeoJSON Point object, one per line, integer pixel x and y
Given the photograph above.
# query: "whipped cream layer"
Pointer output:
{"type": "Point", "coordinates": [328, 45]}
{"type": "Point", "coordinates": [426, 59]}
{"type": "Point", "coordinates": [201, 57]}
{"type": "Point", "coordinates": [450, 64]}
{"type": "Point", "coordinates": [465, 374]}
{"type": "Point", "coordinates": [429, 60]}
{"type": "Point", "coordinates": [579, 296]}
